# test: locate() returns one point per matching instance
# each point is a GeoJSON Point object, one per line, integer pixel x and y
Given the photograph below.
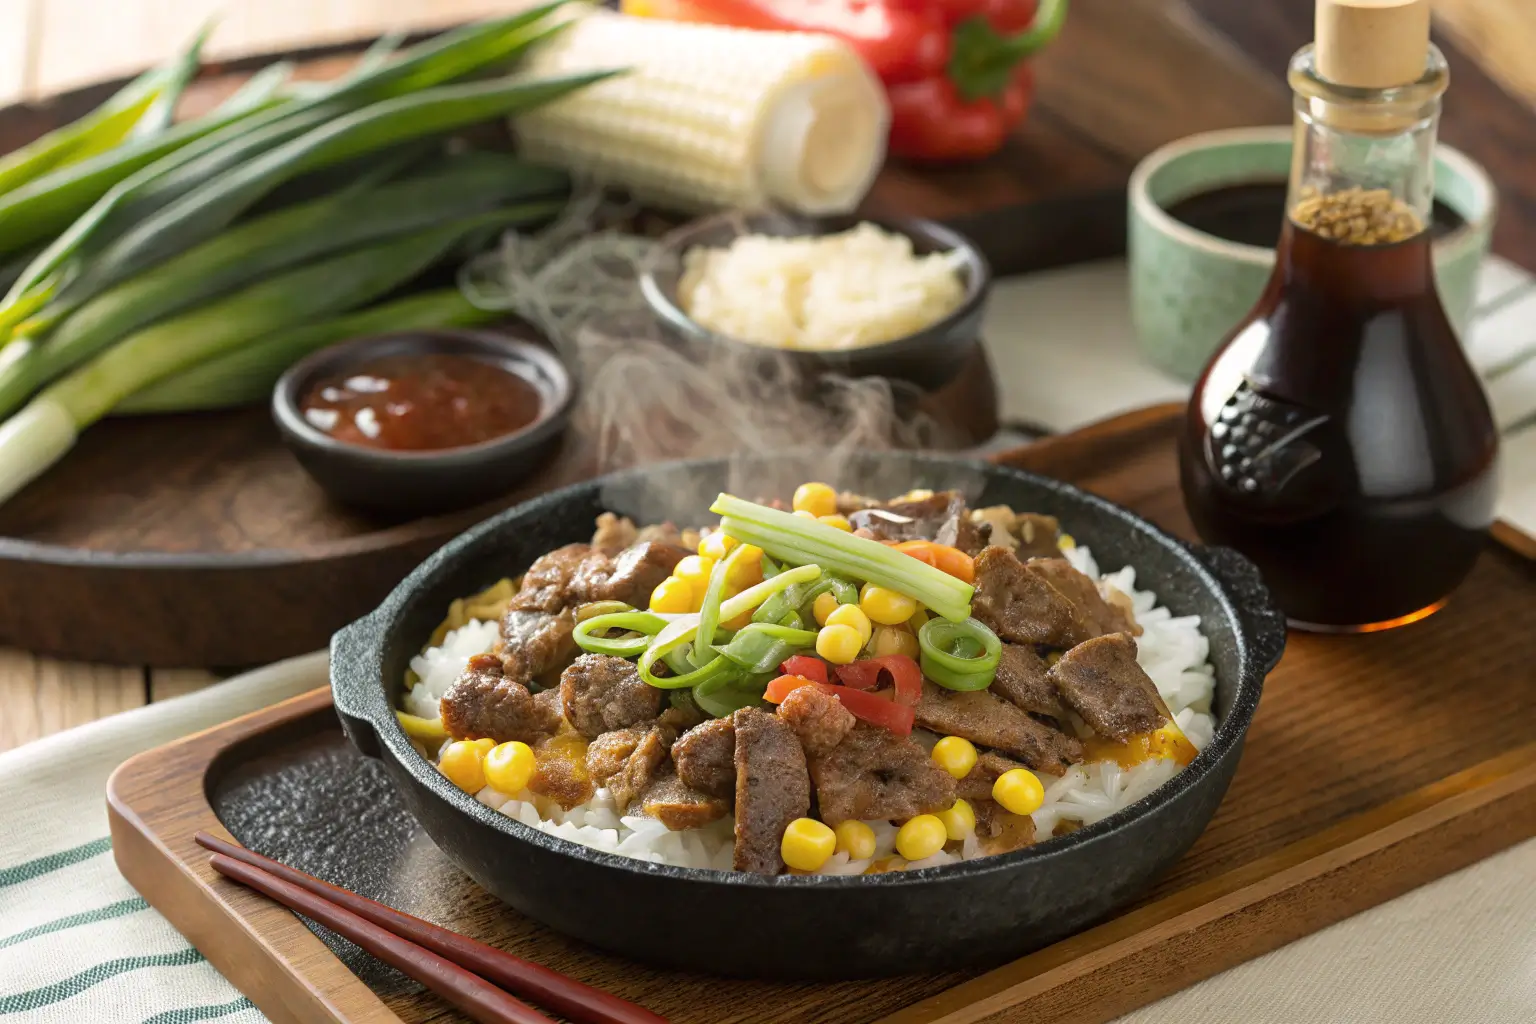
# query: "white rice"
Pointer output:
{"type": "Point", "coordinates": [1172, 651]}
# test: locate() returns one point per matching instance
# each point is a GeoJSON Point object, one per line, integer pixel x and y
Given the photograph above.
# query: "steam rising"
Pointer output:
{"type": "Point", "coordinates": [647, 397]}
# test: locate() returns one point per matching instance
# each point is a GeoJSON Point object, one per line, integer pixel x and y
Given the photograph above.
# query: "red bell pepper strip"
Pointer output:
{"type": "Point", "coordinates": [905, 674]}
{"type": "Point", "coordinates": [784, 686]}
{"type": "Point", "coordinates": [954, 69]}
{"type": "Point", "coordinates": [874, 708]}
{"type": "Point", "coordinates": [806, 667]}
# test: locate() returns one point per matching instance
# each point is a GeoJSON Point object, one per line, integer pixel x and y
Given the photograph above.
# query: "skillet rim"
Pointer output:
{"type": "Point", "coordinates": [1255, 628]}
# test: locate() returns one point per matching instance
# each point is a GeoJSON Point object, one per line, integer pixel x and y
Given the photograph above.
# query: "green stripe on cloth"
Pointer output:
{"type": "Point", "coordinates": [192, 1014]}
{"type": "Point", "coordinates": [53, 862]}
{"type": "Point", "coordinates": [38, 998]}
{"type": "Point", "coordinates": [106, 913]}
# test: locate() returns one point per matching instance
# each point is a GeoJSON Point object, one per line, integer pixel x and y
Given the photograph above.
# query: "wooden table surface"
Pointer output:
{"type": "Point", "coordinates": [1127, 76]}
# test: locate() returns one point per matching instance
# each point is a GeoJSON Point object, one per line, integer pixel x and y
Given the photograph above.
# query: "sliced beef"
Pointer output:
{"type": "Point", "coordinates": [607, 755]}
{"type": "Point", "coordinates": [1022, 605]}
{"type": "Point", "coordinates": [537, 645]}
{"type": "Point", "coordinates": [991, 721]}
{"type": "Point", "coordinates": [547, 582]}
{"type": "Point", "coordinates": [602, 693]}
{"type": "Point", "coordinates": [673, 803]}
{"type": "Point", "coordinates": [561, 769]}
{"type": "Point", "coordinates": [642, 765]}
{"type": "Point", "coordinates": [941, 517]}
{"type": "Point", "coordinates": [1023, 680]}
{"type": "Point", "coordinates": [875, 774]}
{"type": "Point", "coordinates": [706, 758]}
{"type": "Point", "coordinates": [1038, 536]}
{"type": "Point", "coordinates": [1102, 616]}
{"type": "Point", "coordinates": [990, 766]}
{"type": "Point", "coordinates": [613, 534]}
{"type": "Point", "coordinates": [1001, 831]}
{"type": "Point", "coordinates": [484, 704]}
{"type": "Point", "coordinates": [773, 788]}
{"type": "Point", "coordinates": [681, 719]}
{"type": "Point", "coordinates": [630, 577]}
{"type": "Point", "coordinates": [819, 719]}
{"type": "Point", "coordinates": [1101, 680]}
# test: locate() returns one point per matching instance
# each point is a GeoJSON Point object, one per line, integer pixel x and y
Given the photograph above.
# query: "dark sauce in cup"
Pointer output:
{"type": "Point", "coordinates": [422, 403]}
{"type": "Point", "coordinates": [1251, 213]}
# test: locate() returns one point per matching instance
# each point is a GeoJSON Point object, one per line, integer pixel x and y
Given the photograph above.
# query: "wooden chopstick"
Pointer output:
{"type": "Point", "coordinates": [579, 1002]}
{"type": "Point", "coordinates": [471, 993]}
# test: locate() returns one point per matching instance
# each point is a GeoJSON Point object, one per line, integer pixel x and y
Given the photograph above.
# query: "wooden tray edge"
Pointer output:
{"type": "Point", "coordinates": [1162, 947]}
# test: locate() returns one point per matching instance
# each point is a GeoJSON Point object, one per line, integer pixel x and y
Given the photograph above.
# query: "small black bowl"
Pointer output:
{"type": "Point", "coordinates": [928, 359]}
{"type": "Point", "coordinates": [426, 482]}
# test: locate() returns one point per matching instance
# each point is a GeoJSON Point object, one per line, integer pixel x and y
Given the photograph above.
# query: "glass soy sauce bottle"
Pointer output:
{"type": "Point", "coordinates": [1339, 438]}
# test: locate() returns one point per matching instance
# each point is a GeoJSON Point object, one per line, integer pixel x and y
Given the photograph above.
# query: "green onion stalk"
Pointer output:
{"type": "Point", "coordinates": [959, 655]}
{"type": "Point", "coordinates": [46, 428]}
{"type": "Point", "coordinates": [804, 541]}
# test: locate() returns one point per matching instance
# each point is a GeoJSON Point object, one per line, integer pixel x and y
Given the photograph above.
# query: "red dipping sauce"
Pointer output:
{"type": "Point", "coordinates": [421, 403]}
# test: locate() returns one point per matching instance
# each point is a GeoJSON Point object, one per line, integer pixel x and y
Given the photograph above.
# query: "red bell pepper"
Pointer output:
{"type": "Point", "coordinates": [955, 70]}
{"type": "Point", "coordinates": [806, 667]}
{"type": "Point", "coordinates": [874, 708]}
{"type": "Point", "coordinates": [905, 675]}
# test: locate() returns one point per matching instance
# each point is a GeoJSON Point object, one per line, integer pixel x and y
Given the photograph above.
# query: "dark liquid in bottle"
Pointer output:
{"type": "Point", "coordinates": [1251, 213]}
{"type": "Point", "coordinates": [1341, 440]}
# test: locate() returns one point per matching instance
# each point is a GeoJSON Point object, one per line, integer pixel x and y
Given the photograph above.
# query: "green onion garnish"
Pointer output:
{"type": "Point", "coordinates": [644, 623]}
{"type": "Point", "coordinates": [959, 655]}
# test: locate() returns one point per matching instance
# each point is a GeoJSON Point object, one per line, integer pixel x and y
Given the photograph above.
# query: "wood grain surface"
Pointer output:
{"type": "Point", "coordinates": [1373, 765]}
{"type": "Point", "coordinates": [1126, 76]}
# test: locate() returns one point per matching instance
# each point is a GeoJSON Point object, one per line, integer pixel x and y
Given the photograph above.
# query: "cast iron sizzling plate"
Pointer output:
{"type": "Point", "coordinates": [978, 913]}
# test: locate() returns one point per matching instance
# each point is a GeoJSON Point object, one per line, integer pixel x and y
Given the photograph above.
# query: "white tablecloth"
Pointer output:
{"type": "Point", "coordinates": [78, 944]}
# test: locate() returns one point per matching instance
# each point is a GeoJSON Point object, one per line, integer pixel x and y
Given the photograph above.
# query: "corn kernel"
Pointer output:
{"type": "Point", "coordinates": [463, 762]}
{"type": "Point", "coordinates": [856, 839]}
{"type": "Point", "coordinates": [1065, 542]}
{"type": "Point", "coordinates": [822, 607]}
{"type": "Point", "coordinates": [817, 499]}
{"type": "Point", "coordinates": [839, 644]}
{"type": "Point", "coordinates": [956, 755]}
{"type": "Point", "coordinates": [747, 570]}
{"type": "Point", "coordinates": [805, 515]}
{"type": "Point", "coordinates": [807, 843]}
{"type": "Point", "coordinates": [921, 837]}
{"type": "Point", "coordinates": [695, 569]}
{"type": "Point", "coordinates": [918, 620]}
{"type": "Point", "coordinates": [1019, 791]}
{"type": "Point", "coordinates": [672, 596]}
{"type": "Point", "coordinates": [852, 615]}
{"type": "Point", "coordinates": [894, 640]}
{"type": "Point", "coordinates": [717, 545]}
{"type": "Point", "coordinates": [959, 821]}
{"type": "Point", "coordinates": [509, 766]}
{"type": "Point", "coordinates": [740, 622]}
{"type": "Point", "coordinates": [836, 521]}
{"type": "Point", "coordinates": [886, 607]}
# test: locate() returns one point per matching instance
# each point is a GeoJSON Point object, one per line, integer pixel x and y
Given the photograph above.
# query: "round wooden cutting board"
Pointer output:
{"type": "Point", "coordinates": [196, 539]}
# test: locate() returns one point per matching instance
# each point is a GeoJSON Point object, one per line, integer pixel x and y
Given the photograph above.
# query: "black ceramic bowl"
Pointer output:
{"type": "Point", "coordinates": [976, 913]}
{"type": "Point", "coordinates": [421, 483]}
{"type": "Point", "coordinates": [928, 359]}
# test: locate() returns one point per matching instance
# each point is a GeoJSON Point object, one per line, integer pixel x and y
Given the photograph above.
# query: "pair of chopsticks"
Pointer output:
{"type": "Point", "coordinates": [474, 977]}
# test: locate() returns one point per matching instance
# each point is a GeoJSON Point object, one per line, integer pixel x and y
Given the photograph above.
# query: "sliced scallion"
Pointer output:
{"type": "Point", "coordinates": [645, 624]}
{"type": "Point", "coordinates": [959, 655]}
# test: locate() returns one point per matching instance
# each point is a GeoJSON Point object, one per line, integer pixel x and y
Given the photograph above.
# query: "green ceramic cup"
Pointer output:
{"type": "Point", "coordinates": [1189, 288]}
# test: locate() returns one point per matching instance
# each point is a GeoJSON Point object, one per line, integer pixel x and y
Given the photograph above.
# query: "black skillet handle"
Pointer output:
{"type": "Point", "coordinates": [357, 686]}
{"type": "Point", "coordinates": [1263, 623]}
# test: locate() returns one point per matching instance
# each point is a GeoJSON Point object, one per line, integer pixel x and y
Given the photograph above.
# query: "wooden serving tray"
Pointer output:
{"type": "Point", "coordinates": [1375, 764]}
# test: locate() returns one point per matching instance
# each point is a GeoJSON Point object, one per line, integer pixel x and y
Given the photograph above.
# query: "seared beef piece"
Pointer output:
{"type": "Point", "coordinates": [1101, 680]}
{"type": "Point", "coordinates": [613, 534]}
{"type": "Point", "coordinates": [873, 773]}
{"type": "Point", "coordinates": [670, 801]}
{"type": "Point", "coordinates": [1038, 536]}
{"type": "Point", "coordinates": [1001, 831]}
{"type": "Point", "coordinates": [706, 758]}
{"type": "Point", "coordinates": [602, 693]}
{"type": "Point", "coordinates": [547, 581]}
{"type": "Point", "coordinates": [641, 766]}
{"type": "Point", "coordinates": [1022, 679]}
{"type": "Point", "coordinates": [990, 765]}
{"type": "Point", "coordinates": [1101, 616]}
{"type": "Point", "coordinates": [537, 644]}
{"type": "Point", "coordinates": [630, 577]}
{"type": "Point", "coordinates": [666, 533]}
{"type": "Point", "coordinates": [483, 704]}
{"type": "Point", "coordinates": [560, 771]}
{"type": "Point", "coordinates": [607, 755]}
{"type": "Point", "coordinates": [681, 719]}
{"type": "Point", "coordinates": [1021, 604]}
{"type": "Point", "coordinates": [773, 788]}
{"type": "Point", "coordinates": [993, 722]}
{"type": "Point", "coordinates": [848, 503]}
{"type": "Point", "coordinates": [819, 719]}
{"type": "Point", "coordinates": [940, 517]}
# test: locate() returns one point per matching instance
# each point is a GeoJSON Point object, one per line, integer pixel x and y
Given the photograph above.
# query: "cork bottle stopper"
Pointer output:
{"type": "Point", "coordinates": [1372, 44]}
